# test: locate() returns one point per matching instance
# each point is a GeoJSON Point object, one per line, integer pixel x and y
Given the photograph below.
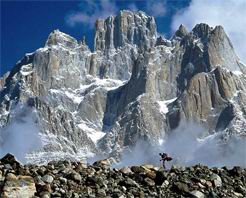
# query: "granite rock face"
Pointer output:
{"type": "Point", "coordinates": [133, 86]}
{"type": "Point", "coordinates": [127, 28]}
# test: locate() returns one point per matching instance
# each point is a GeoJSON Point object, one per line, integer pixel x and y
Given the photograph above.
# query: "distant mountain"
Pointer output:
{"type": "Point", "coordinates": [133, 86]}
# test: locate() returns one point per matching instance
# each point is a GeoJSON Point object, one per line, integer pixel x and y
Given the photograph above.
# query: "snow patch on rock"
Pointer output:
{"type": "Point", "coordinates": [95, 135]}
{"type": "Point", "coordinates": [163, 105]}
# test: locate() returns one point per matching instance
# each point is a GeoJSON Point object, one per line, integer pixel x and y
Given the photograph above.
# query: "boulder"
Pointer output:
{"type": "Point", "coordinates": [18, 186]}
{"type": "Point", "coordinates": [217, 182]}
{"type": "Point", "coordinates": [197, 194]}
{"type": "Point", "coordinates": [48, 179]}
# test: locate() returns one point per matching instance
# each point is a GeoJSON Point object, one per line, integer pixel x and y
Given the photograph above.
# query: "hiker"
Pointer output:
{"type": "Point", "coordinates": [164, 157]}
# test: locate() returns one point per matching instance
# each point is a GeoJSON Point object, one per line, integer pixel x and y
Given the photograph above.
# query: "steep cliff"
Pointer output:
{"type": "Point", "coordinates": [133, 86]}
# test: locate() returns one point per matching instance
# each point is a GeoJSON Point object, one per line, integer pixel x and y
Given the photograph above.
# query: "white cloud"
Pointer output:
{"type": "Point", "coordinates": [156, 8]}
{"type": "Point", "coordinates": [230, 14]}
{"type": "Point", "coordinates": [90, 12]}
{"type": "Point", "coordinates": [189, 144]}
{"type": "Point", "coordinates": [21, 136]}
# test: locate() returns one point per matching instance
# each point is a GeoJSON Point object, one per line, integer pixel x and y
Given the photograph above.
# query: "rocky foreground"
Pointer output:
{"type": "Point", "coordinates": [76, 179]}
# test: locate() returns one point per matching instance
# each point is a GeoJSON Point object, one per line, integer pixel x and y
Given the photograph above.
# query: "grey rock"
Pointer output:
{"type": "Point", "coordinates": [11, 176]}
{"type": "Point", "coordinates": [76, 177]}
{"type": "Point", "coordinates": [88, 190]}
{"type": "Point", "coordinates": [197, 194]}
{"type": "Point", "coordinates": [3, 80]}
{"type": "Point", "coordinates": [237, 194]}
{"type": "Point", "coordinates": [47, 179]}
{"type": "Point", "coordinates": [126, 28]}
{"type": "Point", "coordinates": [181, 187]}
{"type": "Point", "coordinates": [160, 41]}
{"type": "Point", "coordinates": [149, 182]}
{"type": "Point", "coordinates": [8, 166]}
{"type": "Point", "coordinates": [130, 182]}
{"type": "Point", "coordinates": [165, 183]}
{"type": "Point", "coordinates": [1, 176]}
{"type": "Point", "coordinates": [216, 180]}
{"type": "Point", "coordinates": [181, 32]}
{"type": "Point", "coordinates": [101, 192]}
{"type": "Point", "coordinates": [75, 195]}
{"type": "Point", "coordinates": [126, 170]}
{"type": "Point", "coordinates": [56, 194]}
{"type": "Point", "coordinates": [63, 180]}
{"type": "Point", "coordinates": [45, 195]}
{"type": "Point", "coordinates": [59, 38]}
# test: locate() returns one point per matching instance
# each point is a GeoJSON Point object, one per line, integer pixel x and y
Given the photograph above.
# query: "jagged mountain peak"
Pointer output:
{"type": "Point", "coordinates": [181, 32]}
{"type": "Point", "coordinates": [125, 28]}
{"type": "Point", "coordinates": [133, 86]}
{"type": "Point", "coordinates": [202, 30]}
{"type": "Point", "coordinates": [57, 37]}
{"type": "Point", "coordinates": [139, 16]}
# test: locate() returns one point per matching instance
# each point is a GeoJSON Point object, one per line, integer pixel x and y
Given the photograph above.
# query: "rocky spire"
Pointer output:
{"type": "Point", "coordinates": [125, 28]}
{"type": "Point", "coordinates": [181, 32]}
{"type": "Point", "coordinates": [221, 51]}
{"type": "Point", "coordinates": [59, 38]}
{"type": "Point", "coordinates": [83, 41]}
{"type": "Point", "coordinates": [202, 30]}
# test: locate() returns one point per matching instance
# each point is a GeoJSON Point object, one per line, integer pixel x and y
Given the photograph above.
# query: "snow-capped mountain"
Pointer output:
{"type": "Point", "coordinates": [134, 85]}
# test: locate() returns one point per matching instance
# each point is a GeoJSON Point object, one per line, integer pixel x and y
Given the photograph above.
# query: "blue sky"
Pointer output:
{"type": "Point", "coordinates": [25, 25]}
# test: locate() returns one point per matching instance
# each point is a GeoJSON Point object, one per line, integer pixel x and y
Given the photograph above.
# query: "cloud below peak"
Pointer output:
{"type": "Point", "coordinates": [229, 14]}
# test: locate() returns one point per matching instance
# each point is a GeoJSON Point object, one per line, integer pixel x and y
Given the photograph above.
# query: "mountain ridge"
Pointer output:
{"type": "Point", "coordinates": [103, 101]}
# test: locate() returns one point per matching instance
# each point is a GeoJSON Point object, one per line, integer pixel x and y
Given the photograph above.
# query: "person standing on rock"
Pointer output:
{"type": "Point", "coordinates": [164, 157]}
